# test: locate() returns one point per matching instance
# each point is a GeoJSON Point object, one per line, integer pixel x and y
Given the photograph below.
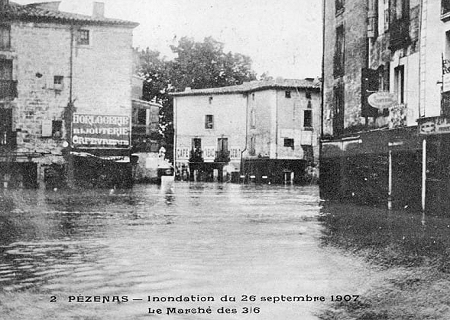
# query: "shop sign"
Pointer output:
{"type": "Point", "coordinates": [435, 126]}
{"type": "Point", "coordinates": [445, 75]}
{"type": "Point", "coordinates": [209, 153]}
{"type": "Point", "coordinates": [235, 153]}
{"type": "Point", "coordinates": [101, 131]}
{"type": "Point", "coordinates": [183, 153]}
{"type": "Point", "coordinates": [382, 100]}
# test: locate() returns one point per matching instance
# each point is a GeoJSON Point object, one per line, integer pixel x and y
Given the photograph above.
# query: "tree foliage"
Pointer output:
{"type": "Point", "coordinates": [196, 65]}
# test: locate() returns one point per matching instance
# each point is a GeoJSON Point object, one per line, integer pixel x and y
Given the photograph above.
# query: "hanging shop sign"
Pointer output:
{"type": "Point", "coordinates": [434, 126]}
{"type": "Point", "coordinates": [382, 100]}
{"type": "Point", "coordinates": [445, 75]}
{"type": "Point", "coordinates": [100, 131]}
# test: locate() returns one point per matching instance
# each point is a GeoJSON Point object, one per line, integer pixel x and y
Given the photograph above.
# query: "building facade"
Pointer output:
{"type": "Point", "coordinates": [383, 98]}
{"type": "Point", "coordinates": [261, 130]}
{"type": "Point", "coordinates": [65, 95]}
{"type": "Point", "coordinates": [145, 136]}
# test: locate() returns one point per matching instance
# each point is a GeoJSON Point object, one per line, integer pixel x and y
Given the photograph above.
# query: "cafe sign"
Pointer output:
{"type": "Point", "coordinates": [102, 131]}
{"type": "Point", "coordinates": [382, 100]}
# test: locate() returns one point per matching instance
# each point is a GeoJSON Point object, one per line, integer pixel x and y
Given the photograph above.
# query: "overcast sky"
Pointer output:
{"type": "Point", "coordinates": [283, 37]}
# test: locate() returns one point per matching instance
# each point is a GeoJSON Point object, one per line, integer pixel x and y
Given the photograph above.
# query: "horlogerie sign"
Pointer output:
{"type": "Point", "coordinates": [89, 130]}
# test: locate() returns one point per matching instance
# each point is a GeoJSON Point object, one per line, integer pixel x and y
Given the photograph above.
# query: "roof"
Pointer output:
{"type": "Point", "coordinates": [246, 87]}
{"type": "Point", "coordinates": [43, 12]}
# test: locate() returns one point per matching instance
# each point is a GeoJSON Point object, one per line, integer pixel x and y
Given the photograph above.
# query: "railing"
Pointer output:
{"type": "Point", "coordinates": [196, 155]}
{"type": "Point", "coordinates": [222, 156]}
{"type": "Point", "coordinates": [399, 32]}
{"type": "Point", "coordinates": [8, 89]}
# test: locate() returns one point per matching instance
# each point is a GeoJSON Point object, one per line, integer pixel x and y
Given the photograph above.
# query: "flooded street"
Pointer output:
{"type": "Point", "coordinates": [101, 254]}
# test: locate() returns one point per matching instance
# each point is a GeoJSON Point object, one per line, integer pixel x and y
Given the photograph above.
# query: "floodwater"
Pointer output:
{"type": "Point", "coordinates": [125, 254]}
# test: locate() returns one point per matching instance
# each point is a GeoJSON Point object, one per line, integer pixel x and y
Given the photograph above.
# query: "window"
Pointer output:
{"type": "Point", "coordinates": [308, 94]}
{"type": "Point", "coordinates": [339, 52]}
{"type": "Point", "coordinates": [445, 7]}
{"type": "Point", "coordinates": [5, 37]}
{"type": "Point", "coordinates": [196, 143]}
{"type": "Point", "coordinates": [339, 6]}
{"type": "Point", "coordinates": [252, 149]}
{"type": "Point", "coordinates": [338, 114]}
{"type": "Point", "coordinates": [289, 143]}
{"type": "Point", "coordinates": [287, 94]}
{"type": "Point", "coordinates": [210, 99]}
{"type": "Point", "coordinates": [209, 121]}
{"type": "Point", "coordinates": [142, 116]}
{"type": "Point", "coordinates": [222, 144]}
{"type": "Point", "coordinates": [399, 78]}
{"type": "Point", "coordinates": [56, 129]}
{"type": "Point", "coordinates": [58, 82]}
{"type": "Point", "coordinates": [307, 119]}
{"type": "Point", "coordinates": [83, 37]}
{"type": "Point", "coordinates": [6, 134]}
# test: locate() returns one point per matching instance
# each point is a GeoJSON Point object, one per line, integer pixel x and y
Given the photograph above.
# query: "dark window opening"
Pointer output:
{"type": "Point", "coordinates": [339, 103]}
{"type": "Point", "coordinates": [209, 121]}
{"type": "Point", "coordinates": [57, 129]}
{"type": "Point", "coordinates": [287, 94]}
{"type": "Point", "coordinates": [399, 78]}
{"type": "Point", "coordinates": [289, 143]}
{"type": "Point", "coordinates": [196, 143]}
{"type": "Point", "coordinates": [339, 58]}
{"type": "Point", "coordinates": [307, 118]}
{"type": "Point", "coordinates": [5, 37]}
{"type": "Point", "coordinates": [308, 94]}
{"type": "Point", "coordinates": [7, 136]}
{"type": "Point", "coordinates": [445, 7]}
{"type": "Point", "coordinates": [369, 85]}
{"type": "Point", "coordinates": [142, 117]}
{"type": "Point", "coordinates": [340, 4]}
{"type": "Point", "coordinates": [83, 37]}
{"type": "Point", "coordinates": [252, 149]}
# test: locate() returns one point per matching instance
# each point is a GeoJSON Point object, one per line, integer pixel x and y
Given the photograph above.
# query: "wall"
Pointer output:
{"type": "Point", "coordinates": [101, 78]}
{"type": "Point", "coordinates": [355, 30]}
{"type": "Point", "coordinates": [229, 111]}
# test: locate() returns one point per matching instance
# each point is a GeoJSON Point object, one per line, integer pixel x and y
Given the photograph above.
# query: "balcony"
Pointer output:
{"type": "Point", "coordinates": [222, 156]}
{"type": "Point", "coordinates": [399, 32]}
{"type": "Point", "coordinates": [196, 155]}
{"type": "Point", "coordinates": [8, 89]}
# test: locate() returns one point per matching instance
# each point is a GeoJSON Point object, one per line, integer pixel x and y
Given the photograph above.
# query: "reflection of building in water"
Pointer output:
{"type": "Point", "coordinates": [263, 129]}
{"type": "Point", "coordinates": [55, 64]}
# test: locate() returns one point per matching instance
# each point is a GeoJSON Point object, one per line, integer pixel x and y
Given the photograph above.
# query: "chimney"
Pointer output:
{"type": "Point", "coordinates": [99, 10]}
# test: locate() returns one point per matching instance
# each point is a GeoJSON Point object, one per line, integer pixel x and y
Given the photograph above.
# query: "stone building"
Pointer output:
{"type": "Point", "coordinates": [383, 75]}
{"type": "Point", "coordinates": [265, 131]}
{"type": "Point", "coordinates": [145, 137]}
{"type": "Point", "coordinates": [61, 72]}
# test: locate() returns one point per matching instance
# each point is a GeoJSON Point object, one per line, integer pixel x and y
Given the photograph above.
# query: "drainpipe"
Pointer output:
{"type": "Point", "coordinates": [69, 116]}
{"type": "Point", "coordinates": [246, 135]}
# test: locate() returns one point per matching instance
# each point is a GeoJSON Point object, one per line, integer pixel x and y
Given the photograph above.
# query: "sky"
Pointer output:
{"type": "Point", "coordinates": [282, 37]}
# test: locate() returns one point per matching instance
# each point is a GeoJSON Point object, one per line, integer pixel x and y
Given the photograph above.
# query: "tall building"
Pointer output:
{"type": "Point", "coordinates": [262, 130]}
{"type": "Point", "coordinates": [65, 95]}
{"type": "Point", "coordinates": [385, 101]}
